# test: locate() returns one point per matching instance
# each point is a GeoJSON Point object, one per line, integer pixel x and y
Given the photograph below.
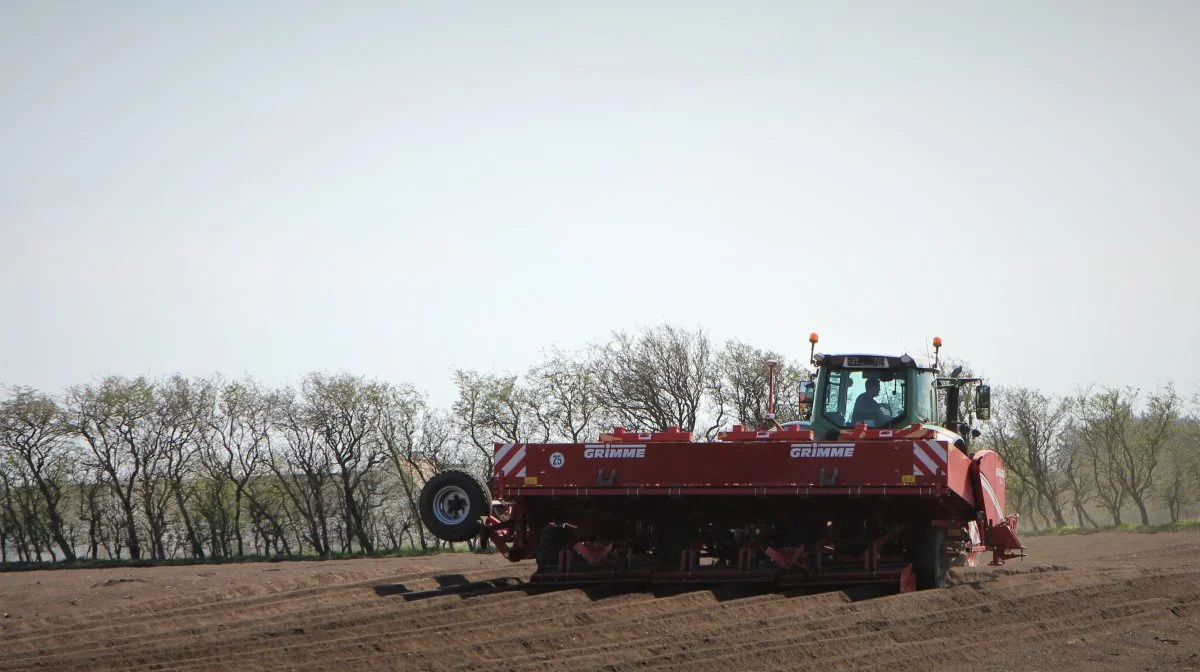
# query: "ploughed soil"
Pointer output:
{"type": "Point", "coordinates": [1109, 601]}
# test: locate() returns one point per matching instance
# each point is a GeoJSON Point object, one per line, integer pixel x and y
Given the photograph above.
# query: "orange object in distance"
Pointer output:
{"type": "Point", "coordinates": [812, 338]}
{"type": "Point", "coordinates": [937, 341]}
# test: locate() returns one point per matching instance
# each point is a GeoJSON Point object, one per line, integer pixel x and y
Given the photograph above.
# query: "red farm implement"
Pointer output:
{"type": "Point", "coordinates": [882, 491]}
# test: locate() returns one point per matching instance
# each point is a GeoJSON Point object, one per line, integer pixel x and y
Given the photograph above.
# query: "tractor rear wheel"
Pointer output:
{"type": "Point", "coordinates": [929, 559]}
{"type": "Point", "coordinates": [554, 539]}
{"type": "Point", "coordinates": [452, 504]}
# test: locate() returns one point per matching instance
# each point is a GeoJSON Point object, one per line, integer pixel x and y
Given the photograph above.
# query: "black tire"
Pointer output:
{"type": "Point", "coordinates": [554, 539]}
{"type": "Point", "coordinates": [930, 562]}
{"type": "Point", "coordinates": [452, 504]}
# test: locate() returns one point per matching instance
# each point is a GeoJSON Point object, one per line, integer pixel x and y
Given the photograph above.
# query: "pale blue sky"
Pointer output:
{"type": "Point", "coordinates": [401, 189]}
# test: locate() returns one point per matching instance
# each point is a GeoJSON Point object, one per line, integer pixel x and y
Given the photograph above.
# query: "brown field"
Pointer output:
{"type": "Point", "coordinates": [1112, 601]}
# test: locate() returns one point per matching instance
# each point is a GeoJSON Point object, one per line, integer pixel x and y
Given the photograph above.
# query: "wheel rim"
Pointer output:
{"type": "Point", "coordinates": [451, 505]}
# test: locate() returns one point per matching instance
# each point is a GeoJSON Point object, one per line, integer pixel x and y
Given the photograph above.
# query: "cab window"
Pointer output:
{"type": "Point", "coordinates": [925, 397]}
{"type": "Point", "coordinates": [875, 398]}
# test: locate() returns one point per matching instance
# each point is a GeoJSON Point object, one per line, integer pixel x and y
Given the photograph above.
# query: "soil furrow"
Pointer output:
{"type": "Point", "coordinates": [1106, 602]}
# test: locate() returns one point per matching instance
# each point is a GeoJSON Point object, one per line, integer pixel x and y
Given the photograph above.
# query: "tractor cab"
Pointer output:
{"type": "Point", "coordinates": [887, 392]}
{"type": "Point", "coordinates": [878, 391]}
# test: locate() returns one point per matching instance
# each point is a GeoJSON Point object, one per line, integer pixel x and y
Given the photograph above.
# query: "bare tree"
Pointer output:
{"type": "Point", "coordinates": [741, 385]}
{"type": "Point", "coordinates": [271, 520]}
{"type": "Point", "coordinates": [1001, 436]}
{"type": "Point", "coordinates": [402, 425]}
{"type": "Point", "coordinates": [1179, 486]}
{"type": "Point", "coordinates": [496, 409]}
{"type": "Point", "coordinates": [1130, 444]}
{"type": "Point", "coordinates": [302, 467]}
{"type": "Point", "coordinates": [38, 432]}
{"type": "Point", "coordinates": [154, 492]}
{"type": "Point", "coordinates": [176, 439]}
{"type": "Point", "coordinates": [111, 417]}
{"type": "Point", "coordinates": [6, 506]}
{"type": "Point", "coordinates": [20, 514]}
{"type": "Point", "coordinates": [1076, 475]}
{"type": "Point", "coordinates": [1106, 476]}
{"type": "Point", "coordinates": [565, 390]}
{"type": "Point", "coordinates": [100, 510]}
{"type": "Point", "coordinates": [236, 441]}
{"type": "Point", "coordinates": [655, 379]}
{"type": "Point", "coordinates": [343, 410]}
{"type": "Point", "coordinates": [1038, 425]}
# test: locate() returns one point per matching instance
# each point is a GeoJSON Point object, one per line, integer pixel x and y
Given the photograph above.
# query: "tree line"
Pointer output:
{"type": "Point", "coordinates": [1090, 458]}
{"type": "Point", "coordinates": [209, 467]}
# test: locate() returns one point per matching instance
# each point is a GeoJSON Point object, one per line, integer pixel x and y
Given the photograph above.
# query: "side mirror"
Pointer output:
{"type": "Point", "coordinates": [983, 402]}
{"type": "Point", "coordinates": [807, 390]}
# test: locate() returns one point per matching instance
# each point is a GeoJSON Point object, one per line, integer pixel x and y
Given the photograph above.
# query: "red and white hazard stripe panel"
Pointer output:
{"type": "Point", "coordinates": [928, 458]}
{"type": "Point", "coordinates": [510, 457]}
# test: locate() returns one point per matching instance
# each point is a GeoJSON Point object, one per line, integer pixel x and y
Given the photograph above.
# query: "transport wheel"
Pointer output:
{"type": "Point", "coordinates": [554, 539]}
{"type": "Point", "coordinates": [452, 502]}
{"type": "Point", "coordinates": [930, 562]}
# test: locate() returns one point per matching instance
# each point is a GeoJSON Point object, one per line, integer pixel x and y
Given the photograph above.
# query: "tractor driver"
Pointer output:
{"type": "Point", "coordinates": [867, 410]}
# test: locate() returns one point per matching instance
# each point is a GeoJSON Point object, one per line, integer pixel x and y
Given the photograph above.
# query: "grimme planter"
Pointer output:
{"type": "Point", "coordinates": [881, 487]}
